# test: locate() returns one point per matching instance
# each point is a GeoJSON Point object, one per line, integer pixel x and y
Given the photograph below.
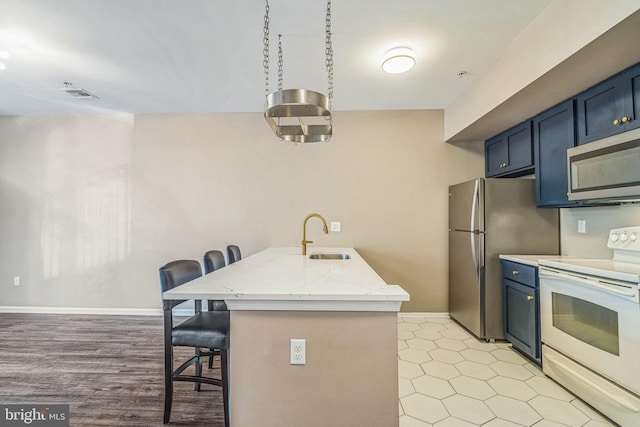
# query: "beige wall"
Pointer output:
{"type": "Point", "coordinates": [599, 220]}
{"type": "Point", "coordinates": [65, 191]}
{"type": "Point", "coordinates": [350, 377]}
{"type": "Point", "coordinates": [93, 205]}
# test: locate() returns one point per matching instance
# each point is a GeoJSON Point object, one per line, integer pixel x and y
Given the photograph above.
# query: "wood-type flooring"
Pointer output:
{"type": "Point", "coordinates": [109, 369]}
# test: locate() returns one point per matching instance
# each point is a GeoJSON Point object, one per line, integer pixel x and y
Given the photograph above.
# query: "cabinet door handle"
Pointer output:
{"type": "Point", "coordinates": [626, 119]}
{"type": "Point", "coordinates": [515, 272]}
{"type": "Point", "coordinates": [616, 121]}
{"type": "Point", "coordinates": [529, 298]}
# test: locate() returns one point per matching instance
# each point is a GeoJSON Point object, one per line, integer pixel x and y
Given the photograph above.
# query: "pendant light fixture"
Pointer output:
{"type": "Point", "coordinates": [299, 115]}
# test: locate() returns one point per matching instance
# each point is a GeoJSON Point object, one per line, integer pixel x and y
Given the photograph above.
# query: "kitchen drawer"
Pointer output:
{"type": "Point", "coordinates": [521, 273]}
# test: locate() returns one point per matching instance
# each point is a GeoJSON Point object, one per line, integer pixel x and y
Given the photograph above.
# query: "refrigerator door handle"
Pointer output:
{"type": "Point", "coordinates": [473, 228]}
{"type": "Point", "coordinates": [474, 206]}
{"type": "Point", "coordinates": [473, 254]}
{"type": "Point", "coordinates": [481, 253]}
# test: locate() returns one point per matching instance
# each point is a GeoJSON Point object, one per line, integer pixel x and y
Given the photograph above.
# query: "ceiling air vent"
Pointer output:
{"type": "Point", "coordinates": [77, 93]}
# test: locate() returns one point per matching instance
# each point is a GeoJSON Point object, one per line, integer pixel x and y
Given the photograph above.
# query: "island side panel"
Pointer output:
{"type": "Point", "coordinates": [350, 377]}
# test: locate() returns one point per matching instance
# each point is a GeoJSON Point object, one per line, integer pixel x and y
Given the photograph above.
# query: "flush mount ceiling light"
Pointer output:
{"type": "Point", "coordinates": [398, 60]}
{"type": "Point", "coordinates": [299, 115]}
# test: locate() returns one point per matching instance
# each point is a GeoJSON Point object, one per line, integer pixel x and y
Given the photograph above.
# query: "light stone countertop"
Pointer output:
{"type": "Point", "coordinates": [530, 259]}
{"type": "Point", "coordinates": [283, 279]}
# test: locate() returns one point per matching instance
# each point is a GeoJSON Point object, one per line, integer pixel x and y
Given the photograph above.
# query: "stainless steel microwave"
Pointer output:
{"type": "Point", "coordinates": [607, 170]}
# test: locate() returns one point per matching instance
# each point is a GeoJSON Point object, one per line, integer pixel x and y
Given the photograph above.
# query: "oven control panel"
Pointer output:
{"type": "Point", "coordinates": [627, 239]}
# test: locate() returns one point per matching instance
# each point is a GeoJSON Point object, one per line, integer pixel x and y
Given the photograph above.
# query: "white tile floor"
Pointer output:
{"type": "Point", "coordinates": [447, 378]}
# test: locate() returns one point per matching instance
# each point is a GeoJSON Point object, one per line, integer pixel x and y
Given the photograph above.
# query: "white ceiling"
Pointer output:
{"type": "Point", "coordinates": [190, 56]}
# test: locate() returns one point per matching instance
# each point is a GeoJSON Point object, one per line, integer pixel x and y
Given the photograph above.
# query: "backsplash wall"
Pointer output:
{"type": "Point", "coordinates": [599, 220]}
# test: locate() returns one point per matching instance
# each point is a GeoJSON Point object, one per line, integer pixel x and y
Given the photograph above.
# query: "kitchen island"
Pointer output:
{"type": "Point", "coordinates": [346, 313]}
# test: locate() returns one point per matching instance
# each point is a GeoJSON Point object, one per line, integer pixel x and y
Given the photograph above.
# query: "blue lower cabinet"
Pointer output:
{"type": "Point", "coordinates": [521, 308]}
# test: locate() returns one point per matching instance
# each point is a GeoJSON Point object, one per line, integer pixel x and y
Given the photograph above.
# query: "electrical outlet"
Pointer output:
{"type": "Point", "coordinates": [582, 226]}
{"type": "Point", "coordinates": [16, 281]}
{"type": "Point", "coordinates": [336, 226]}
{"type": "Point", "coordinates": [298, 351]}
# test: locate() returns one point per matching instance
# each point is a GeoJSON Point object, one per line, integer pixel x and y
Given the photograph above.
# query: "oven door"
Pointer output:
{"type": "Point", "coordinates": [594, 321]}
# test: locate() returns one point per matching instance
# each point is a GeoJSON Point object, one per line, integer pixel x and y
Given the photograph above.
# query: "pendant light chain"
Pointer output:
{"type": "Point", "coordinates": [265, 49]}
{"type": "Point", "coordinates": [279, 61]}
{"type": "Point", "coordinates": [329, 55]}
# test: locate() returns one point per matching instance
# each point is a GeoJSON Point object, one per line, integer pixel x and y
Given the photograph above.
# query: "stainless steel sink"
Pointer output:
{"type": "Point", "coordinates": [328, 256]}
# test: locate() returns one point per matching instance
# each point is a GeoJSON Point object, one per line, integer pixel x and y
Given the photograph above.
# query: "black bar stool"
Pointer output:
{"type": "Point", "coordinates": [208, 329]}
{"type": "Point", "coordinates": [233, 252]}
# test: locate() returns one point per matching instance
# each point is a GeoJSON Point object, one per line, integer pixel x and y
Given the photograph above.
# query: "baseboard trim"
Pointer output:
{"type": "Point", "coordinates": [76, 310]}
{"type": "Point", "coordinates": [417, 314]}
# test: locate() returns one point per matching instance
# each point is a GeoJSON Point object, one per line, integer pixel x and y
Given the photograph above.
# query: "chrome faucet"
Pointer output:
{"type": "Point", "coordinates": [325, 229]}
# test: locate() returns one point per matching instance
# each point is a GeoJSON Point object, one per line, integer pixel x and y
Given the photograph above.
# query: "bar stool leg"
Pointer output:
{"type": "Point", "coordinates": [198, 369]}
{"type": "Point", "coordinates": [168, 368]}
{"type": "Point", "coordinates": [224, 369]}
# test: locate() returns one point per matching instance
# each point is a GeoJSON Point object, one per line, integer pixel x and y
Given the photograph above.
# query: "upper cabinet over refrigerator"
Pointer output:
{"type": "Point", "coordinates": [510, 153]}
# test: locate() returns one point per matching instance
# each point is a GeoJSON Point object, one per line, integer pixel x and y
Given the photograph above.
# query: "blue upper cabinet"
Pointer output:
{"type": "Point", "coordinates": [510, 153]}
{"type": "Point", "coordinates": [553, 134]}
{"type": "Point", "coordinates": [610, 107]}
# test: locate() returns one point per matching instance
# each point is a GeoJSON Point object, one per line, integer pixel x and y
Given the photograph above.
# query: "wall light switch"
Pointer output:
{"type": "Point", "coordinates": [336, 226]}
{"type": "Point", "coordinates": [582, 226]}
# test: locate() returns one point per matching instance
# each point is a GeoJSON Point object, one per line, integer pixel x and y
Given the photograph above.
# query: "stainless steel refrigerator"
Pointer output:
{"type": "Point", "coordinates": [489, 217]}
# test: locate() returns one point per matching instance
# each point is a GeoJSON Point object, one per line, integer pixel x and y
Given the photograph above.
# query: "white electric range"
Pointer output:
{"type": "Point", "coordinates": [590, 324]}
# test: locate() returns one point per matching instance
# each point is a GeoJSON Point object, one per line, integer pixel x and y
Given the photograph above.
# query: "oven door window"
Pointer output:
{"type": "Point", "coordinates": [588, 322]}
